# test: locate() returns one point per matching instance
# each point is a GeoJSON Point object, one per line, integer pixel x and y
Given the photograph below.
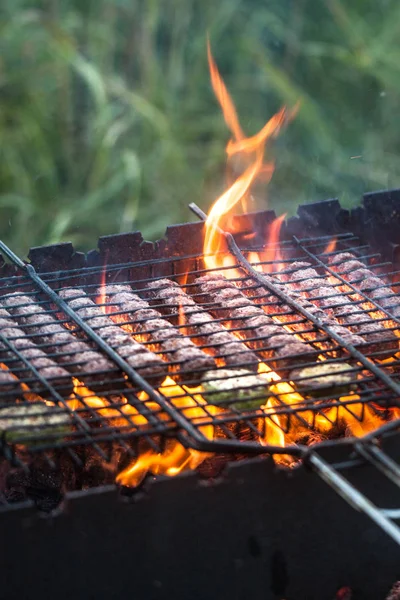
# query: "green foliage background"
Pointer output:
{"type": "Point", "coordinates": [108, 122]}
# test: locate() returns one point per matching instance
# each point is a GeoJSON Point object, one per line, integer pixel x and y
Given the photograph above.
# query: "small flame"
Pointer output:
{"type": "Point", "coordinates": [331, 247]}
{"type": "Point", "coordinates": [182, 320]}
{"type": "Point", "coordinates": [27, 393]}
{"type": "Point", "coordinates": [358, 417]}
{"type": "Point", "coordinates": [84, 398]}
{"type": "Point", "coordinates": [272, 253]}
{"type": "Point", "coordinates": [101, 298]}
{"type": "Point", "coordinates": [181, 311]}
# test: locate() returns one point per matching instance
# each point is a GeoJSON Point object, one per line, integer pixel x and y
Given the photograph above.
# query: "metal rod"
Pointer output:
{"type": "Point", "coordinates": [391, 513]}
{"type": "Point", "coordinates": [380, 460]}
{"type": "Point", "coordinates": [354, 497]}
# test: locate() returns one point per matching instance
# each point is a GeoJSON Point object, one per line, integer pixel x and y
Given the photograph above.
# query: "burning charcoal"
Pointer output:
{"type": "Point", "coordinates": [325, 379]}
{"type": "Point", "coordinates": [92, 368]}
{"type": "Point", "coordinates": [57, 376]}
{"type": "Point", "coordinates": [187, 361]}
{"type": "Point", "coordinates": [327, 297]}
{"type": "Point", "coordinates": [236, 388]}
{"type": "Point", "coordinates": [41, 484]}
{"type": "Point", "coordinates": [16, 483]}
{"type": "Point", "coordinates": [366, 281]}
{"type": "Point", "coordinates": [214, 466]}
{"type": "Point", "coordinates": [281, 349]}
{"type": "Point", "coordinates": [145, 362]}
{"type": "Point", "coordinates": [212, 335]}
{"type": "Point", "coordinates": [22, 422]}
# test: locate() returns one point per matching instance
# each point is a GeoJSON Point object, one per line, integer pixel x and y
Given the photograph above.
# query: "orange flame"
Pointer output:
{"type": "Point", "coordinates": [222, 94]}
{"type": "Point", "coordinates": [253, 147]}
{"type": "Point", "coordinates": [331, 247]}
{"type": "Point", "coordinates": [175, 458]}
{"type": "Point", "coordinates": [272, 253]}
{"type": "Point", "coordinates": [357, 417]}
{"type": "Point", "coordinates": [182, 320]}
{"type": "Point", "coordinates": [101, 298]}
{"type": "Point", "coordinates": [83, 398]}
{"type": "Point", "coordinates": [214, 242]}
{"type": "Point", "coordinates": [257, 141]}
{"type": "Point", "coordinates": [181, 311]}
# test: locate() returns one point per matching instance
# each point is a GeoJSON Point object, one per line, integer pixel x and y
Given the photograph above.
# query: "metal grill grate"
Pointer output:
{"type": "Point", "coordinates": [205, 321]}
{"type": "Point", "coordinates": [375, 381]}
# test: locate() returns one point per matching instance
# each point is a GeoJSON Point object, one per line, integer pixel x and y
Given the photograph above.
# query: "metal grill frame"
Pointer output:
{"type": "Point", "coordinates": [189, 435]}
{"type": "Point", "coordinates": [181, 427]}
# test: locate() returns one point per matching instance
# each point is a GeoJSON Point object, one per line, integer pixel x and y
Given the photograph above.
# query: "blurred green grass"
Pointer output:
{"type": "Point", "coordinates": [108, 122]}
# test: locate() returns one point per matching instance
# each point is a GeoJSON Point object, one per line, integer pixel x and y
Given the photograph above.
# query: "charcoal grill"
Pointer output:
{"type": "Point", "coordinates": [51, 471]}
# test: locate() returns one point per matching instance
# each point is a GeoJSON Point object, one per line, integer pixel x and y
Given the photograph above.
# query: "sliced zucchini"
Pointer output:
{"type": "Point", "coordinates": [325, 379]}
{"type": "Point", "coordinates": [23, 421]}
{"type": "Point", "coordinates": [237, 388]}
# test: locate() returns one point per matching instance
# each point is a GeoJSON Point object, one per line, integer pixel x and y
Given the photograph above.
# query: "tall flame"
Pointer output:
{"type": "Point", "coordinates": [253, 148]}
{"type": "Point", "coordinates": [223, 97]}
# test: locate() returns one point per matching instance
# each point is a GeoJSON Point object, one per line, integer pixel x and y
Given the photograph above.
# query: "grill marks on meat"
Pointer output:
{"type": "Point", "coordinates": [281, 349]}
{"type": "Point", "coordinates": [210, 334]}
{"type": "Point", "coordinates": [378, 339]}
{"type": "Point", "coordinates": [187, 361]}
{"type": "Point", "coordinates": [56, 375]}
{"type": "Point", "coordinates": [146, 363]}
{"type": "Point", "coordinates": [363, 279]}
{"type": "Point", "coordinates": [92, 368]}
{"type": "Point", "coordinates": [261, 296]}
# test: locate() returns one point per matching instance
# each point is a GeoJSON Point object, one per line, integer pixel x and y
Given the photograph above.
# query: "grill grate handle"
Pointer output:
{"type": "Point", "coordinates": [384, 518]}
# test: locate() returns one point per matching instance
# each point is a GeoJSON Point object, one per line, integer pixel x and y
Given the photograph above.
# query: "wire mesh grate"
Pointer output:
{"type": "Point", "coordinates": [140, 351]}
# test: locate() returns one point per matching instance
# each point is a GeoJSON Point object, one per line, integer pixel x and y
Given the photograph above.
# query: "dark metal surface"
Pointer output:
{"type": "Point", "coordinates": [254, 533]}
